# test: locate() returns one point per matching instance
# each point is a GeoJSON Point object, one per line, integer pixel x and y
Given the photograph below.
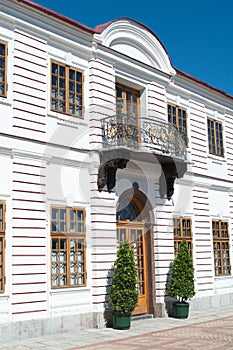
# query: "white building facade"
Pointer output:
{"type": "Point", "coordinates": [102, 140]}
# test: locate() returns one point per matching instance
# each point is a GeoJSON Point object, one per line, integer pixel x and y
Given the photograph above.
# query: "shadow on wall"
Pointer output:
{"type": "Point", "coordinates": [107, 310]}
{"type": "Point", "coordinates": [168, 300]}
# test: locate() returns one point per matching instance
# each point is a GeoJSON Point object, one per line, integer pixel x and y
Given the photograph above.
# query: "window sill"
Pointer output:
{"type": "Point", "coordinates": [67, 120]}
{"type": "Point", "coordinates": [4, 296]}
{"type": "Point", "coordinates": [223, 277]}
{"type": "Point", "coordinates": [216, 159]}
{"type": "Point", "coordinates": [68, 290]}
{"type": "Point", "coordinates": [5, 101]}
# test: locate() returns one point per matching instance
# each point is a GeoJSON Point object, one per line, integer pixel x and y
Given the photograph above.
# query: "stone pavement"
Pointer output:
{"type": "Point", "coordinates": [207, 330]}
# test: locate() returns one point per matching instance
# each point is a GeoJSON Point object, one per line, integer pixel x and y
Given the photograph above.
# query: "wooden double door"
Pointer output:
{"type": "Point", "coordinates": [134, 232]}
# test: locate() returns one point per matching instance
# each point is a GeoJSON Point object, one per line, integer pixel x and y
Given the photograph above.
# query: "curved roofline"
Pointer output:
{"type": "Point", "coordinates": [56, 15]}
{"type": "Point", "coordinates": [101, 27]}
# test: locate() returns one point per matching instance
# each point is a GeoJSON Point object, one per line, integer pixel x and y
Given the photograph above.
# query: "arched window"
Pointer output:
{"type": "Point", "coordinates": [129, 209]}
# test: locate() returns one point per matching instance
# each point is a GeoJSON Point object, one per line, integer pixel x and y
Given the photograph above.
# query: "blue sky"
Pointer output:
{"type": "Point", "coordinates": [198, 35]}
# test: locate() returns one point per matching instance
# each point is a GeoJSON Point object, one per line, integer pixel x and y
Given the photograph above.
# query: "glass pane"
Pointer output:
{"type": "Point", "coordinates": [54, 68]}
{"type": "Point", "coordinates": [62, 94]}
{"type": "Point", "coordinates": [54, 81]}
{"type": "Point", "coordinates": [54, 281]}
{"type": "Point", "coordinates": [72, 109]}
{"type": "Point", "coordinates": [78, 77]}
{"type": "Point", "coordinates": [78, 88]}
{"type": "Point", "coordinates": [62, 83]}
{"type": "Point", "coordinates": [62, 268]}
{"type": "Point", "coordinates": [80, 244]}
{"type": "Point", "coordinates": [71, 86]}
{"type": "Point", "coordinates": [54, 105]}
{"type": "Point", "coordinates": [72, 279]}
{"type": "Point", "coordinates": [54, 93]}
{"type": "Point", "coordinates": [72, 227]}
{"type": "Point", "coordinates": [78, 111]}
{"type": "Point", "coordinates": [71, 97]}
{"type": "Point", "coordinates": [2, 49]}
{"type": "Point", "coordinates": [54, 213]}
{"type": "Point", "coordinates": [54, 226]}
{"type": "Point", "coordinates": [72, 74]}
{"type": "Point", "coordinates": [62, 214]}
{"type": "Point", "coordinates": [63, 243]}
{"type": "Point", "coordinates": [62, 71]}
{"type": "Point", "coordinates": [2, 76]}
{"type": "Point", "coordinates": [55, 243]}
{"type": "Point", "coordinates": [54, 268]}
{"type": "Point", "coordinates": [62, 226]}
{"type": "Point", "coordinates": [80, 215]}
{"type": "Point", "coordinates": [80, 227]}
{"type": "Point", "coordinates": [78, 100]}
{"type": "Point", "coordinates": [72, 215]}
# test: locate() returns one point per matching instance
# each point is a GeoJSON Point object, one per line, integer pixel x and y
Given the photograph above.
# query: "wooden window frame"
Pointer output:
{"type": "Point", "coordinates": [178, 225]}
{"type": "Point", "coordinates": [126, 89]}
{"type": "Point", "coordinates": [182, 129]}
{"type": "Point", "coordinates": [2, 251]}
{"type": "Point", "coordinates": [75, 267]}
{"type": "Point", "coordinates": [4, 69]}
{"type": "Point", "coordinates": [216, 138]}
{"type": "Point", "coordinates": [221, 239]}
{"type": "Point", "coordinates": [129, 120]}
{"type": "Point", "coordinates": [66, 90]}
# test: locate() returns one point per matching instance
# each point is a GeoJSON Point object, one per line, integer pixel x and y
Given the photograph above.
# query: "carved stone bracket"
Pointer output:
{"type": "Point", "coordinates": [111, 162]}
{"type": "Point", "coordinates": [171, 169]}
{"type": "Point", "coordinates": [107, 173]}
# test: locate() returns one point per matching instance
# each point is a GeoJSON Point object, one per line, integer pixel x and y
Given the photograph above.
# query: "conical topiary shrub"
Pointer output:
{"type": "Point", "coordinates": [181, 285]}
{"type": "Point", "coordinates": [123, 294]}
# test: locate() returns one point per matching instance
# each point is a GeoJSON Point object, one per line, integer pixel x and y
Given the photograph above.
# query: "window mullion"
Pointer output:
{"type": "Point", "coordinates": [177, 118]}
{"type": "Point", "coordinates": [181, 229]}
{"type": "Point", "coordinates": [67, 89]}
{"type": "Point", "coordinates": [215, 138]}
{"type": "Point", "coordinates": [67, 220]}
{"type": "Point", "coordinates": [221, 257]}
{"type": "Point", "coordinates": [68, 262]}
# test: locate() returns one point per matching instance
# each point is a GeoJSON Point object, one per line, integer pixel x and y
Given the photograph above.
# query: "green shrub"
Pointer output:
{"type": "Point", "coordinates": [123, 294]}
{"type": "Point", "coordinates": [181, 285]}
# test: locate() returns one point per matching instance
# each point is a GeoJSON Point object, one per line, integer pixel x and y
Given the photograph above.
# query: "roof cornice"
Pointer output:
{"type": "Point", "coordinates": [56, 15]}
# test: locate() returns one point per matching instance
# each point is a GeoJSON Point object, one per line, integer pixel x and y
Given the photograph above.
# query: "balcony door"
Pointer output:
{"type": "Point", "coordinates": [131, 227]}
{"type": "Point", "coordinates": [128, 113]}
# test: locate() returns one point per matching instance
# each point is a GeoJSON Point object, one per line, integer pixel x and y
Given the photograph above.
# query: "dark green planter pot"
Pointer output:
{"type": "Point", "coordinates": [180, 310]}
{"type": "Point", "coordinates": [121, 321]}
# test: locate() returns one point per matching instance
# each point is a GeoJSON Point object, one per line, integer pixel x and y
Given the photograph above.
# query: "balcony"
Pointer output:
{"type": "Point", "coordinates": [126, 137]}
{"type": "Point", "coordinates": [144, 135]}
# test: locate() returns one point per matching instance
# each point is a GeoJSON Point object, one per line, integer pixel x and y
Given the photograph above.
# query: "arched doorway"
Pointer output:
{"type": "Point", "coordinates": [134, 224]}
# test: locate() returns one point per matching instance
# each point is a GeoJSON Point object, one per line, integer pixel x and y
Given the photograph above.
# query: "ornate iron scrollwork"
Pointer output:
{"type": "Point", "coordinates": [137, 133]}
{"type": "Point", "coordinates": [124, 133]}
{"type": "Point", "coordinates": [120, 130]}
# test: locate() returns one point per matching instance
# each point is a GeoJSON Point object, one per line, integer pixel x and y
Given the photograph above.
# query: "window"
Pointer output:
{"type": "Point", "coordinates": [127, 129]}
{"type": "Point", "coordinates": [66, 90]}
{"type": "Point", "coordinates": [177, 117]}
{"type": "Point", "coordinates": [127, 101]}
{"type": "Point", "coordinates": [2, 246]}
{"type": "Point", "coordinates": [182, 231]}
{"type": "Point", "coordinates": [221, 248]}
{"type": "Point", "coordinates": [68, 248]}
{"type": "Point", "coordinates": [215, 136]}
{"type": "Point", "coordinates": [3, 84]}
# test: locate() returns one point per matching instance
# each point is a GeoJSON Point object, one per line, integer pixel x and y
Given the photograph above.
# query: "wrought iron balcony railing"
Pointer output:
{"type": "Point", "coordinates": [143, 134]}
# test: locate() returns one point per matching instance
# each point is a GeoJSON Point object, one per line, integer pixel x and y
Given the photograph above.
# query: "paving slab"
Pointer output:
{"type": "Point", "coordinates": [205, 330]}
{"type": "Point", "coordinates": [212, 335]}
